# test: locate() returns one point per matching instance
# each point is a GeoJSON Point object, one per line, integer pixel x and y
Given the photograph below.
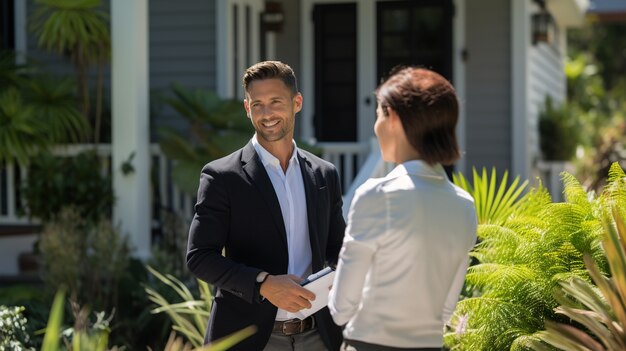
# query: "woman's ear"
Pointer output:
{"type": "Point", "coordinates": [393, 117]}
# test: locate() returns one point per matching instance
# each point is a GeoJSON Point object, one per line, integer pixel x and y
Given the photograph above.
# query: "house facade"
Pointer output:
{"type": "Point", "coordinates": [340, 50]}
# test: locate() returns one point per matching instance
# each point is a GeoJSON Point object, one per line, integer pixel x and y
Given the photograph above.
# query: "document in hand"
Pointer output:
{"type": "Point", "coordinates": [318, 283]}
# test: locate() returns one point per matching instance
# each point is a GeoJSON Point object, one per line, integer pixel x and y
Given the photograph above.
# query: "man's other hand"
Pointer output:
{"type": "Point", "coordinates": [284, 291]}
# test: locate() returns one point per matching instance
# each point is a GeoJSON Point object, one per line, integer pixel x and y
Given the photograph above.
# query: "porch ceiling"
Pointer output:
{"type": "Point", "coordinates": [568, 13]}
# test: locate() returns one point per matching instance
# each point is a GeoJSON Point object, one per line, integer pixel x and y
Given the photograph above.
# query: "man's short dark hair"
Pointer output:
{"type": "Point", "coordinates": [269, 70]}
{"type": "Point", "coordinates": [428, 109]}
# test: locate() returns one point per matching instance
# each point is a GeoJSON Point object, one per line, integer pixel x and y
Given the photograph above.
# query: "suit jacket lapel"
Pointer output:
{"type": "Point", "coordinates": [310, 190]}
{"type": "Point", "coordinates": [252, 165]}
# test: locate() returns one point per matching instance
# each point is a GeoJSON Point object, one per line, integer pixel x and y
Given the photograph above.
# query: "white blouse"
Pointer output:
{"type": "Point", "coordinates": [404, 257]}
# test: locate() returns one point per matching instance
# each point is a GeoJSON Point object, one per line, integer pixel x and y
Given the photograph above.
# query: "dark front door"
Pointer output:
{"type": "Point", "coordinates": [7, 25]}
{"type": "Point", "coordinates": [417, 32]}
{"type": "Point", "coordinates": [335, 115]}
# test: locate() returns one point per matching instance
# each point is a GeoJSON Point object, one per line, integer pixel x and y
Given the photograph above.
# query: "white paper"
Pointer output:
{"type": "Point", "coordinates": [320, 287]}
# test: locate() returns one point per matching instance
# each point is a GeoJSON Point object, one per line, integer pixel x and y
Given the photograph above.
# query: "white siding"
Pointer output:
{"type": "Point", "coordinates": [182, 49]}
{"type": "Point", "coordinates": [546, 77]}
{"type": "Point", "coordinates": [488, 85]}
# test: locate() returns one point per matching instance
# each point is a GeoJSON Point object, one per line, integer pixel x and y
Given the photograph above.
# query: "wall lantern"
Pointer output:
{"type": "Point", "coordinates": [273, 18]}
{"type": "Point", "coordinates": [542, 26]}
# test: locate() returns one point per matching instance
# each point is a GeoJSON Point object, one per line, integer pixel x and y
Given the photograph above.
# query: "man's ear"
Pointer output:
{"type": "Point", "coordinates": [247, 107]}
{"type": "Point", "coordinates": [298, 102]}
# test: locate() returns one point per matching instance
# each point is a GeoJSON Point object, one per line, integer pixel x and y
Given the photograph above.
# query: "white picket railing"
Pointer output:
{"type": "Point", "coordinates": [167, 194]}
{"type": "Point", "coordinates": [348, 157]}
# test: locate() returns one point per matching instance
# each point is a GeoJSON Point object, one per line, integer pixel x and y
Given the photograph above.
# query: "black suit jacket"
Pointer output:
{"type": "Point", "coordinates": [238, 211]}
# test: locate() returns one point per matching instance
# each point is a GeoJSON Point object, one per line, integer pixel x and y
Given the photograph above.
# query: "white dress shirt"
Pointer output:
{"type": "Point", "coordinates": [289, 189]}
{"type": "Point", "coordinates": [404, 257]}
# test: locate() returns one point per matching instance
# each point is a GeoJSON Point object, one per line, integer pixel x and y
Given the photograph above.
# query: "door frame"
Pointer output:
{"type": "Point", "coordinates": [367, 67]}
{"type": "Point", "coordinates": [228, 75]}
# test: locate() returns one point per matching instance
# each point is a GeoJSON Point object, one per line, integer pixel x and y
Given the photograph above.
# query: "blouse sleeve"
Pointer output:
{"type": "Point", "coordinates": [366, 222]}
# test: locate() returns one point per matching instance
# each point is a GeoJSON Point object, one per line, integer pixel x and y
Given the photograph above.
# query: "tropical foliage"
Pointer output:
{"type": "Point", "coordinates": [494, 203]}
{"type": "Point", "coordinates": [600, 309]}
{"type": "Point", "coordinates": [558, 131]}
{"type": "Point", "coordinates": [55, 183]}
{"type": "Point", "coordinates": [595, 87]}
{"type": "Point", "coordinates": [13, 333]}
{"type": "Point", "coordinates": [190, 315]}
{"type": "Point", "coordinates": [521, 259]}
{"type": "Point", "coordinates": [85, 334]}
{"type": "Point", "coordinates": [87, 258]}
{"type": "Point", "coordinates": [80, 29]}
{"type": "Point", "coordinates": [36, 111]}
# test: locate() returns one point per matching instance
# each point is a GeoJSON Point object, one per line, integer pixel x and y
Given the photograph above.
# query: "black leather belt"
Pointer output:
{"type": "Point", "coordinates": [294, 326]}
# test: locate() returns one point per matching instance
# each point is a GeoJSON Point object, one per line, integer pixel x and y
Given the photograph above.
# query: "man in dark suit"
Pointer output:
{"type": "Point", "coordinates": [274, 211]}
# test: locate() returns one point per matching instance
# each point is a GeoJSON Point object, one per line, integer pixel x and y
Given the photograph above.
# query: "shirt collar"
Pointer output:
{"type": "Point", "coordinates": [268, 159]}
{"type": "Point", "coordinates": [419, 168]}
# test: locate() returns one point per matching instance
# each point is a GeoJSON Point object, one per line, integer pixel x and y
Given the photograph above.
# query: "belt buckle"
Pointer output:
{"type": "Point", "coordinates": [290, 322]}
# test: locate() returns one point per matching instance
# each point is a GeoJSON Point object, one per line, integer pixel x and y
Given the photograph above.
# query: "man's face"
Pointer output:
{"type": "Point", "coordinates": [272, 108]}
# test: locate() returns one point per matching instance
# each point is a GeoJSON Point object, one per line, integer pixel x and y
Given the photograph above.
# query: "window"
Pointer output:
{"type": "Point", "coordinates": [7, 25]}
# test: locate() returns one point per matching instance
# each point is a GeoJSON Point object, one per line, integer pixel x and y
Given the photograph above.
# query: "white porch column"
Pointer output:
{"type": "Point", "coordinates": [131, 132]}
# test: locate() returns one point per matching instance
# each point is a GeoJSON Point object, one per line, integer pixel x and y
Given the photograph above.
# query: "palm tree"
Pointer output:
{"type": "Point", "coordinates": [36, 111]}
{"type": "Point", "coordinates": [78, 28]}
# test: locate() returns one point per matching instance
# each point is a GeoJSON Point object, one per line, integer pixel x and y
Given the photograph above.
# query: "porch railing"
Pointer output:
{"type": "Point", "coordinates": [166, 194]}
{"type": "Point", "coordinates": [348, 157]}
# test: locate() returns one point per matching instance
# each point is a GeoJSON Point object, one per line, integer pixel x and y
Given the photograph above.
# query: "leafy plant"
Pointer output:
{"type": "Point", "coordinates": [600, 309]}
{"type": "Point", "coordinates": [54, 183]}
{"type": "Point", "coordinates": [36, 111]}
{"type": "Point", "coordinates": [558, 132]}
{"type": "Point", "coordinates": [85, 336]}
{"type": "Point", "coordinates": [78, 28]}
{"type": "Point", "coordinates": [521, 260]}
{"type": "Point", "coordinates": [13, 334]}
{"type": "Point", "coordinates": [494, 204]}
{"type": "Point", "coordinates": [35, 303]}
{"type": "Point", "coordinates": [190, 315]}
{"type": "Point", "coordinates": [87, 258]}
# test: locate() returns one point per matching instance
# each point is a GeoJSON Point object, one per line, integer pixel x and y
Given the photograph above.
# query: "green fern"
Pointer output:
{"type": "Point", "coordinates": [599, 310]}
{"type": "Point", "coordinates": [527, 249]}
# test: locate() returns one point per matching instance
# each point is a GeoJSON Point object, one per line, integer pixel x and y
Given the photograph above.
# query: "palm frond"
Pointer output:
{"type": "Point", "coordinates": [574, 191]}
{"type": "Point", "coordinates": [21, 135]}
{"type": "Point", "coordinates": [72, 26]}
{"type": "Point", "coordinates": [189, 316]}
{"type": "Point", "coordinates": [494, 203]}
{"type": "Point", "coordinates": [600, 309]}
{"type": "Point", "coordinates": [54, 104]}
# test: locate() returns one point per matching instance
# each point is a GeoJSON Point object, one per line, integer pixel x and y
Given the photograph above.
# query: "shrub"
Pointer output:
{"type": "Point", "coordinates": [87, 258]}
{"type": "Point", "coordinates": [558, 132]}
{"type": "Point", "coordinates": [54, 183]}
{"type": "Point", "coordinates": [13, 335]}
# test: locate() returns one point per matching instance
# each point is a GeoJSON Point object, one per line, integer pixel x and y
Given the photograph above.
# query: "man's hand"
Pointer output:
{"type": "Point", "coordinates": [284, 291]}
